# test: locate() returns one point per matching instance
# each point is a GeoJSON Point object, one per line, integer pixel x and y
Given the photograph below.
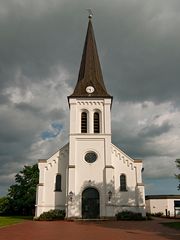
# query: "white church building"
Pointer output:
{"type": "Point", "coordinates": [90, 177]}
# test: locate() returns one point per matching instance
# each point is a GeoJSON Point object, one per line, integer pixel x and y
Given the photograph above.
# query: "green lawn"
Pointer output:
{"type": "Point", "coordinates": [175, 225]}
{"type": "Point", "coordinates": [5, 221]}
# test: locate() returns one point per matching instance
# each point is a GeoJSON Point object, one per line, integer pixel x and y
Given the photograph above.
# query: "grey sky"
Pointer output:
{"type": "Point", "coordinates": [40, 52]}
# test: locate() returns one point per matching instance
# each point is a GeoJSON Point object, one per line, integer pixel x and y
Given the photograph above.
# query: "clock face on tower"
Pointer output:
{"type": "Point", "coordinates": [90, 89]}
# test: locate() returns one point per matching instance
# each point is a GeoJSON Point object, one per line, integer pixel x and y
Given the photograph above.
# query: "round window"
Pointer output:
{"type": "Point", "coordinates": [90, 157]}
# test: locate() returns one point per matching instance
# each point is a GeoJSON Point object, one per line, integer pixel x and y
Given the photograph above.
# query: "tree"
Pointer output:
{"type": "Point", "coordinates": [178, 175]}
{"type": "Point", "coordinates": [22, 195]}
{"type": "Point", "coordinates": [4, 206]}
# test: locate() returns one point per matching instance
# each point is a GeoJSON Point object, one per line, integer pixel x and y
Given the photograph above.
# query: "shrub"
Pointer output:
{"type": "Point", "coordinates": [148, 216]}
{"type": "Point", "coordinates": [158, 214]}
{"type": "Point", "coordinates": [51, 215]}
{"type": "Point", "coordinates": [128, 215]}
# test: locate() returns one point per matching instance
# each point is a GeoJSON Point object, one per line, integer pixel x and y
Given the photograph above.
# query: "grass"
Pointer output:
{"type": "Point", "coordinates": [6, 221]}
{"type": "Point", "coordinates": [175, 225]}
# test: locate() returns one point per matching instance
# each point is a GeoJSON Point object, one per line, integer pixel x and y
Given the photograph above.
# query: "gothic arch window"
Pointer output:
{"type": "Point", "coordinates": [123, 186]}
{"type": "Point", "coordinates": [58, 183]}
{"type": "Point", "coordinates": [84, 122]}
{"type": "Point", "coordinates": [96, 122]}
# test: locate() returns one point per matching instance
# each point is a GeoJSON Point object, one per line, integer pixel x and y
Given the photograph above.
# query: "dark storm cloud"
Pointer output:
{"type": "Point", "coordinates": [138, 137]}
{"type": "Point", "coordinates": [33, 44]}
{"type": "Point", "coordinates": [3, 99]}
{"type": "Point", "coordinates": [53, 114]}
{"type": "Point", "coordinates": [29, 108]}
{"type": "Point", "coordinates": [140, 45]}
{"type": "Point", "coordinates": [154, 130]}
{"type": "Point", "coordinates": [134, 146]}
{"type": "Point", "coordinates": [146, 59]}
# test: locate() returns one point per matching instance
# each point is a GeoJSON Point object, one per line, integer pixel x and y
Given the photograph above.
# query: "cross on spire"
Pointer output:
{"type": "Point", "coordinates": [90, 13]}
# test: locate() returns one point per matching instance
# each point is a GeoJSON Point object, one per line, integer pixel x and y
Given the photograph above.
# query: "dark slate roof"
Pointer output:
{"type": "Point", "coordinates": [162, 197]}
{"type": "Point", "coordinates": [90, 73]}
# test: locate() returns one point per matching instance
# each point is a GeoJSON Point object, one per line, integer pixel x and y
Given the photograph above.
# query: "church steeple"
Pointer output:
{"type": "Point", "coordinates": [90, 74]}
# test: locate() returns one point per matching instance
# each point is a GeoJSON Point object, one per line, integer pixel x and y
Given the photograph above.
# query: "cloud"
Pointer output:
{"type": "Point", "coordinates": [155, 130]}
{"type": "Point", "coordinates": [41, 47]}
{"type": "Point", "coordinates": [150, 132]}
{"type": "Point", "coordinates": [31, 110]}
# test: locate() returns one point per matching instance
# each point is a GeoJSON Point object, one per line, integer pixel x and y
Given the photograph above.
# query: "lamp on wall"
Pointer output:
{"type": "Point", "coordinates": [71, 196]}
{"type": "Point", "coordinates": [109, 195]}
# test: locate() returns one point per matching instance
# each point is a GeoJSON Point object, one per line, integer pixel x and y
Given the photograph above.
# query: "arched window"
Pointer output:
{"type": "Point", "coordinates": [123, 182]}
{"type": "Point", "coordinates": [58, 183]}
{"type": "Point", "coordinates": [83, 122]}
{"type": "Point", "coordinates": [96, 123]}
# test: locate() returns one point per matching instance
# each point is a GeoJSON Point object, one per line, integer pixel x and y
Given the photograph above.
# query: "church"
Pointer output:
{"type": "Point", "coordinates": [89, 177]}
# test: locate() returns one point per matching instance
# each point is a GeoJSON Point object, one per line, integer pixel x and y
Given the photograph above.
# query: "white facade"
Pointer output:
{"type": "Point", "coordinates": [90, 177]}
{"type": "Point", "coordinates": [168, 205]}
{"type": "Point", "coordinates": [47, 197]}
{"type": "Point", "coordinates": [78, 175]}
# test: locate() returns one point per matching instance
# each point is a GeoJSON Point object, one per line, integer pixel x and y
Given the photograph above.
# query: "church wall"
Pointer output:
{"type": "Point", "coordinates": [90, 171]}
{"type": "Point", "coordinates": [133, 198]}
{"type": "Point", "coordinates": [51, 199]}
{"type": "Point", "coordinates": [87, 174]}
{"type": "Point", "coordinates": [124, 165]}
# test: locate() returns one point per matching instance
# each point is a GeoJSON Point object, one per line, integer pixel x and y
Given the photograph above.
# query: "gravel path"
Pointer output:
{"type": "Point", "coordinates": [82, 230]}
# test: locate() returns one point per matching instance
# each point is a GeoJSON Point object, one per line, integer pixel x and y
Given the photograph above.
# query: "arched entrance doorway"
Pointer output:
{"type": "Point", "coordinates": [90, 203]}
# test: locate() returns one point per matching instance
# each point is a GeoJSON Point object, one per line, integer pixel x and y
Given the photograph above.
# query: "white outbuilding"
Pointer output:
{"type": "Point", "coordinates": [168, 205]}
{"type": "Point", "coordinates": [90, 177]}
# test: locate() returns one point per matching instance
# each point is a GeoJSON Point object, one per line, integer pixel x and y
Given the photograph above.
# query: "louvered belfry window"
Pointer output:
{"type": "Point", "coordinates": [83, 122]}
{"type": "Point", "coordinates": [96, 123]}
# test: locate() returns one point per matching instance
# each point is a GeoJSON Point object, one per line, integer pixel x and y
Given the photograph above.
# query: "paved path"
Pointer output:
{"type": "Point", "coordinates": [105, 230]}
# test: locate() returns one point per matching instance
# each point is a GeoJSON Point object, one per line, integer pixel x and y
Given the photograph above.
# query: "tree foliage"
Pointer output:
{"type": "Point", "coordinates": [4, 205]}
{"type": "Point", "coordinates": [178, 175]}
{"type": "Point", "coordinates": [21, 196]}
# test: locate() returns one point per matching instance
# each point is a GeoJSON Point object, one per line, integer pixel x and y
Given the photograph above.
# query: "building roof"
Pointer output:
{"type": "Point", "coordinates": [90, 73]}
{"type": "Point", "coordinates": [162, 197]}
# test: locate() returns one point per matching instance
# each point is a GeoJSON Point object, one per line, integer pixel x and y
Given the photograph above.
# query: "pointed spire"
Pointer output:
{"type": "Point", "coordinates": [90, 74]}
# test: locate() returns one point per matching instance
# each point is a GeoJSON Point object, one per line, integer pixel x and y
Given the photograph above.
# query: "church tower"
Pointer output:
{"type": "Point", "coordinates": [90, 168]}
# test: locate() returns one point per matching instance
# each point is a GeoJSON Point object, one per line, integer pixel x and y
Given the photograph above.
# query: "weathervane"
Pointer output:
{"type": "Point", "coordinates": [90, 13]}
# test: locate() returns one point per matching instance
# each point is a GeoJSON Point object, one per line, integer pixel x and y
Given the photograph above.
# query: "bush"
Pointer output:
{"type": "Point", "coordinates": [128, 215]}
{"type": "Point", "coordinates": [148, 216]}
{"type": "Point", "coordinates": [51, 215]}
{"type": "Point", "coordinates": [158, 214]}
